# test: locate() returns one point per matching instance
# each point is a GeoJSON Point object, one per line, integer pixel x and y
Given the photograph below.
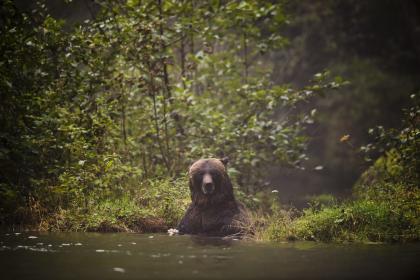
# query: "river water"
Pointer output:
{"type": "Point", "coordinates": [158, 256]}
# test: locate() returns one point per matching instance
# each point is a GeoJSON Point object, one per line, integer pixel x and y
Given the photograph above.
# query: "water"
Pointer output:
{"type": "Point", "coordinates": [146, 256]}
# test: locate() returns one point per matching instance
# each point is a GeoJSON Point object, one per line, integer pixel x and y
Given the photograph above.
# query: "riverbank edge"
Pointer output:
{"type": "Point", "coordinates": [142, 225]}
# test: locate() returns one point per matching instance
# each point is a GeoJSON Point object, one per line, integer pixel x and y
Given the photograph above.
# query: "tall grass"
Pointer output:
{"type": "Point", "coordinates": [154, 205]}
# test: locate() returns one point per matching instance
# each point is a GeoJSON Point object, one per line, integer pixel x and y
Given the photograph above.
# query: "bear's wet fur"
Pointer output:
{"type": "Point", "coordinates": [214, 209]}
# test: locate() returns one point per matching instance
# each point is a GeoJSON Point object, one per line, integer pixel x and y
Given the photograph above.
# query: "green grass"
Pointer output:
{"type": "Point", "coordinates": [385, 208]}
{"type": "Point", "coordinates": [154, 205]}
{"type": "Point", "coordinates": [390, 213]}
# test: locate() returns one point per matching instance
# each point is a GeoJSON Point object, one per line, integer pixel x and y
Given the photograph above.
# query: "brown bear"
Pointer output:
{"type": "Point", "coordinates": [213, 210]}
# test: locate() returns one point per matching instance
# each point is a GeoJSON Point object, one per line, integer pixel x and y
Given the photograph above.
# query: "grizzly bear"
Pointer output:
{"type": "Point", "coordinates": [213, 210]}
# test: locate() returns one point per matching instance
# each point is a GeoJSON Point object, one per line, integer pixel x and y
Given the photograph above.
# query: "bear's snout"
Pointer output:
{"type": "Point", "coordinates": [207, 186]}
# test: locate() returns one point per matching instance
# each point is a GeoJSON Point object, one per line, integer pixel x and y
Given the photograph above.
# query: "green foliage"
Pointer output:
{"type": "Point", "coordinates": [166, 198]}
{"type": "Point", "coordinates": [389, 215]}
{"type": "Point", "coordinates": [401, 161]}
{"type": "Point", "coordinates": [155, 206]}
{"type": "Point", "coordinates": [98, 120]}
{"type": "Point", "coordinates": [363, 220]}
{"type": "Point", "coordinates": [352, 39]}
{"type": "Point", "coordinates": [387, 197]}
{"type": "Point", "coordinates": [322, 200]}
{"type": "Point", "coordinates": [108, 109]}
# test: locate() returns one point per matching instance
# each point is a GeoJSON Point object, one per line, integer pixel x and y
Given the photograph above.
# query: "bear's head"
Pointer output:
{"type": "Point", "coordinates": [209, 182]}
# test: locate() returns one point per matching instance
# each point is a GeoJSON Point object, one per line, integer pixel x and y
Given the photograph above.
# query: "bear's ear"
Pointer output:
{"type": "Point", "coordinates": [225, 161]}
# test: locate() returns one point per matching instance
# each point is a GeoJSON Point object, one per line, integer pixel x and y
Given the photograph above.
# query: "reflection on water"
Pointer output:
{"type": "Point", "coordinates": [201, 240]}
{"type": "Point", "coordinates": [146, 256]}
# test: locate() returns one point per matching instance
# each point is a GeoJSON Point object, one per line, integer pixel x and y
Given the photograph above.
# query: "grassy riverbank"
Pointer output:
{"type": "Point", "coordinates": [376, 220]}
{"type": "Point", "coordinates": [385, 213]}
{"type": "Point", "coordinates": [381, 210]}
{"type": "Point", "coordinates": [154, 206]}
{"type": "Point", "coordinates": [384, 208]}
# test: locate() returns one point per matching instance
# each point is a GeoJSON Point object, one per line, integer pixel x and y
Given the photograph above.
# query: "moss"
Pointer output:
{"type": "Point", "coordinates": [356, 221]}
{"type": "Point", "coordinates": [385, 208]}
{"type": "Point", "coordinates": [386, 213]}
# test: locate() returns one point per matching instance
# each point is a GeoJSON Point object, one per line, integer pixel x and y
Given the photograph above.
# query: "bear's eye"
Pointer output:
{"type": "Point", "coordinates": [214, 174]}
{"type": "Point", "coordinates": [199, 173]}
{"type": "Point", "coordinates": [198, 177]}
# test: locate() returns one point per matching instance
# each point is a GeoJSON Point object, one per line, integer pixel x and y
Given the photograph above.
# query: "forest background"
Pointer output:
{"type": "Point", "coordinates": [105, 104]}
